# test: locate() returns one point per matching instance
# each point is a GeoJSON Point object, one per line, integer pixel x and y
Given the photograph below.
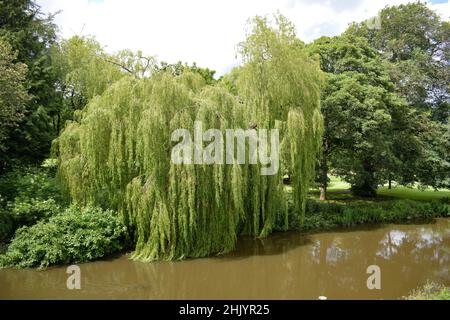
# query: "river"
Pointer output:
{"type": "Point", "coordinates": [283, 266]}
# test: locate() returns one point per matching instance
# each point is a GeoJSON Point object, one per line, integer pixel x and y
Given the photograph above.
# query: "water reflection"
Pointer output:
{"type": "Point", "coordinates": [284, 266]}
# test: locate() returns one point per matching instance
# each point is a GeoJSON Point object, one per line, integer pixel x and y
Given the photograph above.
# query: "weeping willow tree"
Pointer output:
{"type": "Point", "coordinates": [281, 88]}
{"type": "Point", "coordinates": [118, 154]}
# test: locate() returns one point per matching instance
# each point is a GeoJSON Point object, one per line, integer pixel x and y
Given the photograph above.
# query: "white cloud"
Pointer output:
{"type": "Point", "coordinates": [203, 31]}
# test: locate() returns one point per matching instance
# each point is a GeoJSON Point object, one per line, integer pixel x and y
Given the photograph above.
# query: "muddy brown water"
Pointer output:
{"type": "Point", "coordinates": [283, 266]}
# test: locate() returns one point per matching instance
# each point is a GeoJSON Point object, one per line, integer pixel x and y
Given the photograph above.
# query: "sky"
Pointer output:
{"type": "Point", "coordinates": [204, 31]}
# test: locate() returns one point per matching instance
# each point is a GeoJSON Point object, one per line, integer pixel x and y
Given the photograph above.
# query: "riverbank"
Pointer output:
{"type": "Point", "coordinates": [342, 209]}
{"type": "Point", "coordinates": [430, 291]}
{"type": "Point", "coordinates": [286, 265]}
{"type": "Point", "coordinates": [331, 215]}
{"type": "Point", "coordinates": [50, 237]}
{"type": "Point", "coordinates": [340, 190]}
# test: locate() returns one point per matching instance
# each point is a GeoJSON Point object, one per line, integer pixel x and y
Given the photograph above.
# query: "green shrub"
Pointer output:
{"type": "Point", "coordinates": [431, 291]}
{"type": "Point", "coordinates": [415, 210]}
{"type": "Point", "coordinates": [318, 222]}
{"type": "Point", "coordinates": [325, 215]}
{"type": "Point", "coordinates": [30, 182]}
{"type": "Point", "coordinates": [440, 209]}
{"type": "Point", "coordinates": [7, 226]}
{"type": "Point", "coordinates": [26, 212]}
{"type": "Point", "coordinates": [27, 195]}
{"type": "Point", "coordinates": [74, 236]}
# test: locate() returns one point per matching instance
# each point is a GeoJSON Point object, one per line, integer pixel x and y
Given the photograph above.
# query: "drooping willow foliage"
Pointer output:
{"type": "Point", "coordinates": [118, 154]}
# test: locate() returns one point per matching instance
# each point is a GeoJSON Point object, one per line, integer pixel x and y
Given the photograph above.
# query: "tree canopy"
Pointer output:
{"type": "Point", "coordinates": [13, 93]}
{"type": "Point", "coordinates": [361, 112]}
{"type": "Point", "coordinates": [119, 153]}
{"type": "Point", "coordinates": [30, 34]}
{"type": "Point", "coordinates": [414, 41]}
{"type": "Point", "coordinates": [371, 106]}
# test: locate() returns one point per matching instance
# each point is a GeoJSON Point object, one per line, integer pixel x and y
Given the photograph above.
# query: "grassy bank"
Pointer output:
{"type": "Point", "coordinates": [330, 215]}
{"type": "Point", "coordinates": [38, 229]}
{"type": "Point", "coordinates": [414, 193]}
{"type": "Point", "coordinates": [397, 205]}
{"type": "Point", "coordinates": [341, 189]}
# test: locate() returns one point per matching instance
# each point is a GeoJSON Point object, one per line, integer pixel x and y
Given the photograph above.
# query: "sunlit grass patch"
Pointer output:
{"type": "Point", "coordinates": [431, 291]}
{"type": "Point", "coordinates": [414, 193]}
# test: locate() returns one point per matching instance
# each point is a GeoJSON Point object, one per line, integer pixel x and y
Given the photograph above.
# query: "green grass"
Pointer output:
{"type": "Point", "coordinates": [414, 193]}
{"type": "Point", "coordinates": [336, 184]}
{"type": "Point", "coordinates": [339, 190]}
{"type": "Point", "coordinates": [343, 209]}
{"type": "Point", "coordinates": [431, 291]}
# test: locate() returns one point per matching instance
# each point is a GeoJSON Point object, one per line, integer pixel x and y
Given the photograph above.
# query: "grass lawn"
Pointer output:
{"type": "Point", "coordinates": [339, 190]}
{"type": "Point", "coordinates": [336, 185]}
{"type": "Point", "coordinates": [414, 193]}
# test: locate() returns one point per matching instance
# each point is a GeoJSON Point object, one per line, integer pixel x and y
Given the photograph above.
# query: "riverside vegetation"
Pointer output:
{"type": "Point", "coordinates": [351, 106]}
{"type": "Point", "coordinates": [44, 230]}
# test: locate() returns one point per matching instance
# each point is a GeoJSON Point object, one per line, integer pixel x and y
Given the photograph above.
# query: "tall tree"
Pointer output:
{"type": "Point", "coordinates": [30, 34]}
{"type": "Point", "coordinates": [361, 113]}
{"type": "Point", "coordinates": [13, 94]}
{"type": "Point", "coordinates": [178, 69]}
{"type": "Point", "coordinates": [119, 152]}
{"type": "Point", "coordinates": [415, 42]}
{"type": "Point", "coordinates": [415, 45]}
{"type": "Point", "coordinates": [84, 70]}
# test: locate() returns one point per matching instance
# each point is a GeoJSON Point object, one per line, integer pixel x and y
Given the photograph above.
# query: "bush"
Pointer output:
{"type": "Point", "coordinates": [74, 236]}
{"type": "Point", "coordinates": [431, 291]}
{"type": "Point", "coordinates": [324, 215]}
{"type": "Point", "coordinates": [30, 182]}
{"type": "Point", "coordinates": [24, 212]}
{"type": "Point", "coordinates": [27, 195]}
{"type": "Point", "coordinates": [7, 226]}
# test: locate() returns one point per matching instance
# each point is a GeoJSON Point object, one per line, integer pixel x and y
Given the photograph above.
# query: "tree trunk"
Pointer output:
{"type": "Point", "coordinates": [366, 184]}
{"type": "Point", "coordinates": [390, 183]}
{"type": "Point", "coordinates": [323, 193]}
{"type": "Point", "coordinates": [58, 123]}
{"type": "Point", "coordinates": [323, 177]}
